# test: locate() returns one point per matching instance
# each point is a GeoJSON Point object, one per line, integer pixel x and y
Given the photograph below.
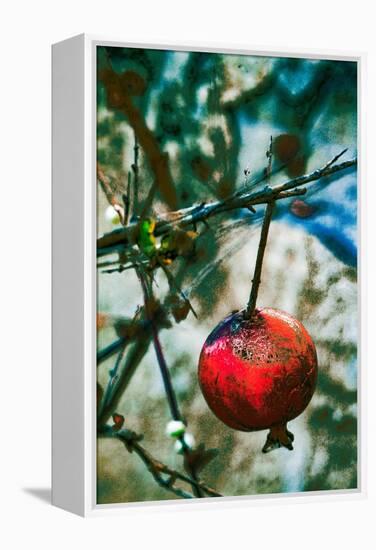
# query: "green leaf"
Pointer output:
{"type": "Point", "coordinates": [146, 239]}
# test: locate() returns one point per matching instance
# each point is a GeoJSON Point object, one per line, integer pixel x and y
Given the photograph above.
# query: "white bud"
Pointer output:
{"type": "Point", "coordinates": [189, 440]}
{"type": "Point", "coordinates": [111, 215]}
{"type": "Point", "coordinates": [175, 428]}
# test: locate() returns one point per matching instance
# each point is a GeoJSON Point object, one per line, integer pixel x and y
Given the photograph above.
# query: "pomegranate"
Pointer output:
{"type": "Point", "coordinates": [259, 373]}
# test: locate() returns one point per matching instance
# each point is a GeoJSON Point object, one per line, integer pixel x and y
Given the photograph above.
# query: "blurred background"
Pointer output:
{"type": "Point", "coordinates": [214, 115]}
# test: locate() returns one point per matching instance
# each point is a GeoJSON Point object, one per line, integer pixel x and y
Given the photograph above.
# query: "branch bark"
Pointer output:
{"type": "Point", "coordinates": [109, 242]}
{"type": "Point", "coordinates": [109, 350]}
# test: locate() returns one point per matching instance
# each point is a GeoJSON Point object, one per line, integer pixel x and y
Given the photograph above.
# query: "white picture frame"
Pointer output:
{"type": "Point", "coordinates": [74, 280]}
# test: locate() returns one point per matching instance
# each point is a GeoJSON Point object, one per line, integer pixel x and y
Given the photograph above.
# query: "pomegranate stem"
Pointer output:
{"type": "Point", "coordinates": [260, 256]}
{"type": "Point", "coordinates": [278, 436]}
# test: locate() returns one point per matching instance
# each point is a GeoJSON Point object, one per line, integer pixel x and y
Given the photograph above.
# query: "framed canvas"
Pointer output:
{"type": "Point", "coordinates": [206, 276]}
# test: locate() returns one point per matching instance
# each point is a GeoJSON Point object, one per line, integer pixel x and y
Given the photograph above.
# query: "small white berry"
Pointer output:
{"type": "Point", "coordinates": [111, 215]}
{"type": "Point", "coordinates": [189, 440]}
{"type": "Point", "coordinates": [175, 428]}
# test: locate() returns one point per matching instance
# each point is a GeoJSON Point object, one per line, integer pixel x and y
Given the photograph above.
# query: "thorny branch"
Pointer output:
{"type": "Point", "coordinates": [157, 468]}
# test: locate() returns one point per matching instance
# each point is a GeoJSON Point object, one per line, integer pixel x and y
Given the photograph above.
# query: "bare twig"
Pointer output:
{"type": "Point", "coordinates": [269, 156]}
{"type": "Point", "coordinates": [255, 182]}
{"type": "Point", "coordinates": [202, 212]}
{"type": "Point", "coordinates": [135, 169]}
{"type": "Point", "coordinates": [169, 389]}
{"type": "Point", "coordinates": [120, 99]}
{"type": "Point", "coordinates": [113, 378]}
{"type": "Point", "coordinates": [135, 354]}
{"type": "Point", "coordinates": [157, 468]}
{"type": "Point", "coordinates": [128, 200]}
{"type": "Point", "coordinates": [109, 350]}
{"type": "Point", "coordinates": [120, 268]}
{"type": "Point", "coordinates": [139, 342]}
{"type": "Point", "coordinates": [171, 397]}
{"type": "Point", "coordinates": [105, 184]}
{"type": "Point", "coordinates": [173, 284]}
{"type": "Point", "coordinates": [334, 159]}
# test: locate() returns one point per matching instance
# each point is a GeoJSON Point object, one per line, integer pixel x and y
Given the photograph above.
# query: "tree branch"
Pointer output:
{"type": "Point", "coordinates": [135, 354]}
{"type": "Point", "coordinates": [113, 378]}
{"type": "Point", "coordinates": [135, 169]}
{"type": "Point", "coordinates": [171, 397]}
{"type": "Point", "coordinates": [121, 99]}
{"type": "Point", "coordinates": [107, 243]}
{"type": "Point", "coordinates": [156, 468]}
{"type": "Point", "coordinates": [169, 389]}
{"type": "Point", "coordinates": [111, 197]}
{"type": "Point", "coordinates": [109, 350]}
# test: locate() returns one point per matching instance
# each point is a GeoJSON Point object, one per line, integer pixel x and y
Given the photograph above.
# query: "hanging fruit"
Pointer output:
{"type": "Point", "coordinates": [258, 367]}
{"type": "Point", "coordinates": [259, 373]}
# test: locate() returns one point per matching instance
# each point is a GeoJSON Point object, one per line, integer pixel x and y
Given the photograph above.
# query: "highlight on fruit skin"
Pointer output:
{"type": "Point", "coordinates": [259, 373]}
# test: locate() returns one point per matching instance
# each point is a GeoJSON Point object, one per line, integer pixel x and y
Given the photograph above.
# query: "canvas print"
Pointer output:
{"type": "Point", "coordinates": [227, 318]}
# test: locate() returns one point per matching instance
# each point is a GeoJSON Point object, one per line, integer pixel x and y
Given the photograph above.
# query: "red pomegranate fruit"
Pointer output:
{"type": "Point", "coordinates": [259, 373]}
